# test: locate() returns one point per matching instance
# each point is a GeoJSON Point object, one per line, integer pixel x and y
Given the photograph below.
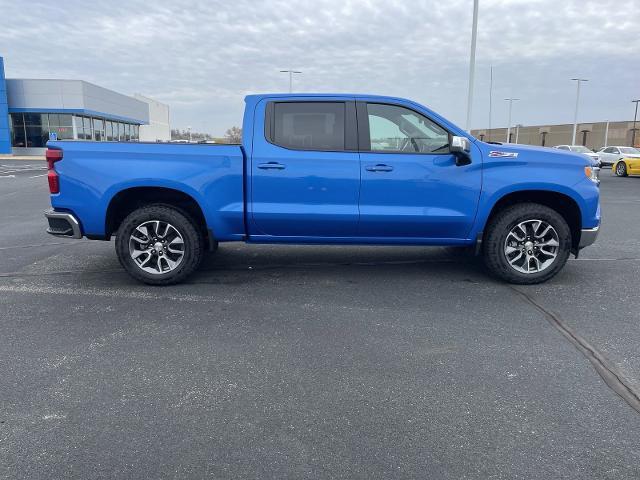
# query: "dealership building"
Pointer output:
{"type": "Point", "coordinates": [34, 111]}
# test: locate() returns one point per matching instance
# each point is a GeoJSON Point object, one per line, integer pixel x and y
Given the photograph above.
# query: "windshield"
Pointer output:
{"type": "Point", "coordinates": [631, 150]}
{"type": "Point", "coordinates": [580, 149]}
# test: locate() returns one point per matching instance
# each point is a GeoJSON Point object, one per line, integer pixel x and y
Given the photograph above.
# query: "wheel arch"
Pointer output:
{"type": "Point", "coordinates": [614, 167]}
{"type": "Point", "coordinates": [129, 199]}
{"type": "Point", "coordinates": [562, 203]}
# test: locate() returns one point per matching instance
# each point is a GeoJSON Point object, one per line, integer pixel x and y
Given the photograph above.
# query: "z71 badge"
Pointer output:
{"type": "Point", "coordinates": [496, 153]}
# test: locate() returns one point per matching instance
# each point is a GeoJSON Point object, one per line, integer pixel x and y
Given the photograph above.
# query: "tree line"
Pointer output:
{"type": "Point", "coordinates": [232, 135]}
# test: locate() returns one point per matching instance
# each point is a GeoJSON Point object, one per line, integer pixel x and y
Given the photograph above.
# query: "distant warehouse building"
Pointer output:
{"type": "Point", "coordinates": [592, 135]}
{"type": "Point", "coordinates": [33, 111]}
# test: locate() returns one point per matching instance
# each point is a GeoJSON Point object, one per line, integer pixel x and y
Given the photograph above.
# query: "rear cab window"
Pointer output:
{"type": "Point", "coordinates": [311, 125]}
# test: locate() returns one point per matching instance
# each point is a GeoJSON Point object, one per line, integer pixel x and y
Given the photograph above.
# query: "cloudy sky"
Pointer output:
{"type": "Point", "coordinates": [202, 57]}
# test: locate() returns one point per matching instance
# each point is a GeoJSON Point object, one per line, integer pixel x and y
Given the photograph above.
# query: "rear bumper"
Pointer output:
{"type": "Point", "coordinates": [588, 236]}
{"type": "Point", "coordinates": [63, 224]}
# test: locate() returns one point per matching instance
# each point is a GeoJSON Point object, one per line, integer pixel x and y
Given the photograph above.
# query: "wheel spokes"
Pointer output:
{"type": "Point", "coordinates": [531, 246]}
{"type": "Point", "coordinates": [156, 246]}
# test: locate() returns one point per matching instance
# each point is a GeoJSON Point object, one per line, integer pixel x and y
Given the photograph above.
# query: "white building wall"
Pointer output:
{"type": "Point", "coordinates": [159, 128]}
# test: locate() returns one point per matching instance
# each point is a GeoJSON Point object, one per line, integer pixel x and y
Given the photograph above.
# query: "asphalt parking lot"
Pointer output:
{"type": "Point", "coordinates": [313, 362]}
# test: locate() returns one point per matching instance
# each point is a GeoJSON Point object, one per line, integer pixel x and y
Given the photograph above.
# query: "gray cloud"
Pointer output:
{"type": "Point", "coordinates": [202, 57]}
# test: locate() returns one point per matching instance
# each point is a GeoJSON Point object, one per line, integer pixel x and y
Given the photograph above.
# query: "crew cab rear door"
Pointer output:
{"type": "Point", "coordinates": [305, 169]}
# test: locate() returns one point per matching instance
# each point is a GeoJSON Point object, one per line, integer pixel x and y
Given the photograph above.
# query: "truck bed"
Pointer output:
{"type": "Point", "coordinates": [92, 173]}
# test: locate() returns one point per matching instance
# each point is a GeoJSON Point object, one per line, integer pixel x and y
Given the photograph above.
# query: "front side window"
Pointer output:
{"type": "Point", "coordinates": [397, 129]}
{"type": "Point", "coordinates": [309, 125]}
{"type": "Point", "coordinates": [630, 150]}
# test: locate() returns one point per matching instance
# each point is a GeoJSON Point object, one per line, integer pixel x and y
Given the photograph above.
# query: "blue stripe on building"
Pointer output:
{"type": "Point", "coordinates": [5, 137]}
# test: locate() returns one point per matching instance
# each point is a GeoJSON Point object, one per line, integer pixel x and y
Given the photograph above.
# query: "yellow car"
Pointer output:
{"type": "Point", "coordinates": [626, 166]}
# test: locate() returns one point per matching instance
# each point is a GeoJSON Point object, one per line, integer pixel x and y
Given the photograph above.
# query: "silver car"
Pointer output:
{"type": "Point", "coordinates": [582, 149]}
{"type": "Point", "coordinates": [610, 155]}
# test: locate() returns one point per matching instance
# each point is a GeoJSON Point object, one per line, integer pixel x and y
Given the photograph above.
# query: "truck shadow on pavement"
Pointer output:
{"type": "Point", "coordinates": [388, 261]}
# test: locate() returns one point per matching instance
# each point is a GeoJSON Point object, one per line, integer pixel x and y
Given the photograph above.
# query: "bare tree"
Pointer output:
{"type": "Point", "coordinates": [233, 135]}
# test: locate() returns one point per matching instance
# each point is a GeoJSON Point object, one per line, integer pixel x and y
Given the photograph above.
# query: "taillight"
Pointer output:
{"type": "Point", "coordinates": [52, 157]}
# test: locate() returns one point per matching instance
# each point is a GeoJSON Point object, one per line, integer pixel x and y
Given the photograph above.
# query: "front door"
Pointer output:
{"type": "Point", "coordinates": [305, 170]}
{"type": "Point", "coordinates": [411, 185]}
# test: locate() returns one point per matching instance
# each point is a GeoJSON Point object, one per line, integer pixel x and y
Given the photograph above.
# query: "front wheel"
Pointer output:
{"type": "Point", "coordinates": [159, 245]}
{"type": "Point", "coordinates": [621, 169]}
{"type": "Point", "coordinates": [527, 243]}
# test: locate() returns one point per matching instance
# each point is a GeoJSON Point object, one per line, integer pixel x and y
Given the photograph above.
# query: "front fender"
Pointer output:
{"type": "Point", "coordinates": [584, 194]}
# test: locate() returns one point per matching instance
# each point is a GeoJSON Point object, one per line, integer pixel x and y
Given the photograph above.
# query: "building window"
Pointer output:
{"type": "Point", "coordinates": [18, 136]}
{"type": "Point", "coordinates": [98, 129]}
{"type": "Point", "coordinates": [83, 128]}
{"type": "Point", "coordinates": [61, 125]}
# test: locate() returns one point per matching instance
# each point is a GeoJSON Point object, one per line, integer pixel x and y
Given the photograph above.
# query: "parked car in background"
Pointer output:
{"type": "Point", "coordinates": [626, 166]}
{"type": "Point", "coordinates": [582, 149]}
{"type": "Point", "coordinates": [610, 155]}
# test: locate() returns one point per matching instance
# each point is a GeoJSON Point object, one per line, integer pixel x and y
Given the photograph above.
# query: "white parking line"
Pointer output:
{"type": "Point", "coordinates": [7, 176]}
{"type": "Point", "coordinates": [43, 175]}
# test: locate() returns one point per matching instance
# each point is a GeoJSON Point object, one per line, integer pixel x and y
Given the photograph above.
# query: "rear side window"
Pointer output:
{"type": "Point", "coordinates": [309, 125]}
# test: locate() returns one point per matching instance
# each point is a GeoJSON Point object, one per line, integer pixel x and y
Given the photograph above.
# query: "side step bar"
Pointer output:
{"type": "Point", "coordinates": [62, 224]}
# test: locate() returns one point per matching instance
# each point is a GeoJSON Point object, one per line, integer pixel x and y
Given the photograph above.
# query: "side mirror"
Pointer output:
{"type": "Point", "coordinates": [461, 148]}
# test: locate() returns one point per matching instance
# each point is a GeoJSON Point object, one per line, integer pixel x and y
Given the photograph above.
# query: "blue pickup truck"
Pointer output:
{"type": "Point", "coordinates": [327, 169]}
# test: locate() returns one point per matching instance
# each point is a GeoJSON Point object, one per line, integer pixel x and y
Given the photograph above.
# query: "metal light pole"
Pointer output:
{"type": "Point", "coordinates": [635, 116]}
{"type": "Point", "coordinates": [472, 63]}
{"type": "Point", "coordinates": [575, 115]}
{"type": "Point", "coordinates": [490, 101]}
{"type": "Point", "coordinates": [290, 72]}
{"type": "Point", "coordinates": [511, 100]}
{"type": "Point", "coordinates": [606, 133]}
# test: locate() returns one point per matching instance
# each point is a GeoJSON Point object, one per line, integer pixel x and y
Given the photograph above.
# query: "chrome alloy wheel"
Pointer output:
{"type": "Point", "coordinates": [531, 246]}
{"type": "Point", "coordinates": [156, 247]}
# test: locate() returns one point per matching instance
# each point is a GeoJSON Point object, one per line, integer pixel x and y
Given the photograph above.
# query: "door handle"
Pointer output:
{"type": "Point", "coordinates": [379, 168]}
{"type": "Point", "coordinates": [271, 166]}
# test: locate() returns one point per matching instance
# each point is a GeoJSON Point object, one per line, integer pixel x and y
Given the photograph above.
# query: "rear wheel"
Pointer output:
{"type": "Point", "coordinates": [527, 243]}
{"type": "Point", "coordinates": [159, 245]}
{"type": "Point", "coordinates": [621, 169]}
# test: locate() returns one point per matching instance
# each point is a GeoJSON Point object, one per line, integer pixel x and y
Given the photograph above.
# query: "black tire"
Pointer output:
{"type": "Point", "coordinates": [187, 228]}
{"type": "Point", "coordinates": [496, 235]}
{"type": "Point", "coordinates": [621, 169]}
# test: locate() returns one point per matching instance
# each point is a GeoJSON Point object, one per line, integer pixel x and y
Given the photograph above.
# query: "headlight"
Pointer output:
{"type": "Point", "coordinates": [593, 173]}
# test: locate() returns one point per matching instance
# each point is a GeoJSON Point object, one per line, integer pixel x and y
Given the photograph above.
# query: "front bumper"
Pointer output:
{"type": "Point", "coordinates": [63, 224]}
{"type": "Point", "coordinates": [588, 236]}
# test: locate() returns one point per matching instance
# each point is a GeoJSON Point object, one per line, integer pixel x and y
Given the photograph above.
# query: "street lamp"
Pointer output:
{"type": "Point", "coordinates": [472, 63]}
{"type": "Point", "coordinates": [290, 72]}
{"type": "Point", "coordinates": [635, 116]}
{"type": "Point", "coordinates": [575, 115]}
{"type": "Point", "coordinates": [511, 100]}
